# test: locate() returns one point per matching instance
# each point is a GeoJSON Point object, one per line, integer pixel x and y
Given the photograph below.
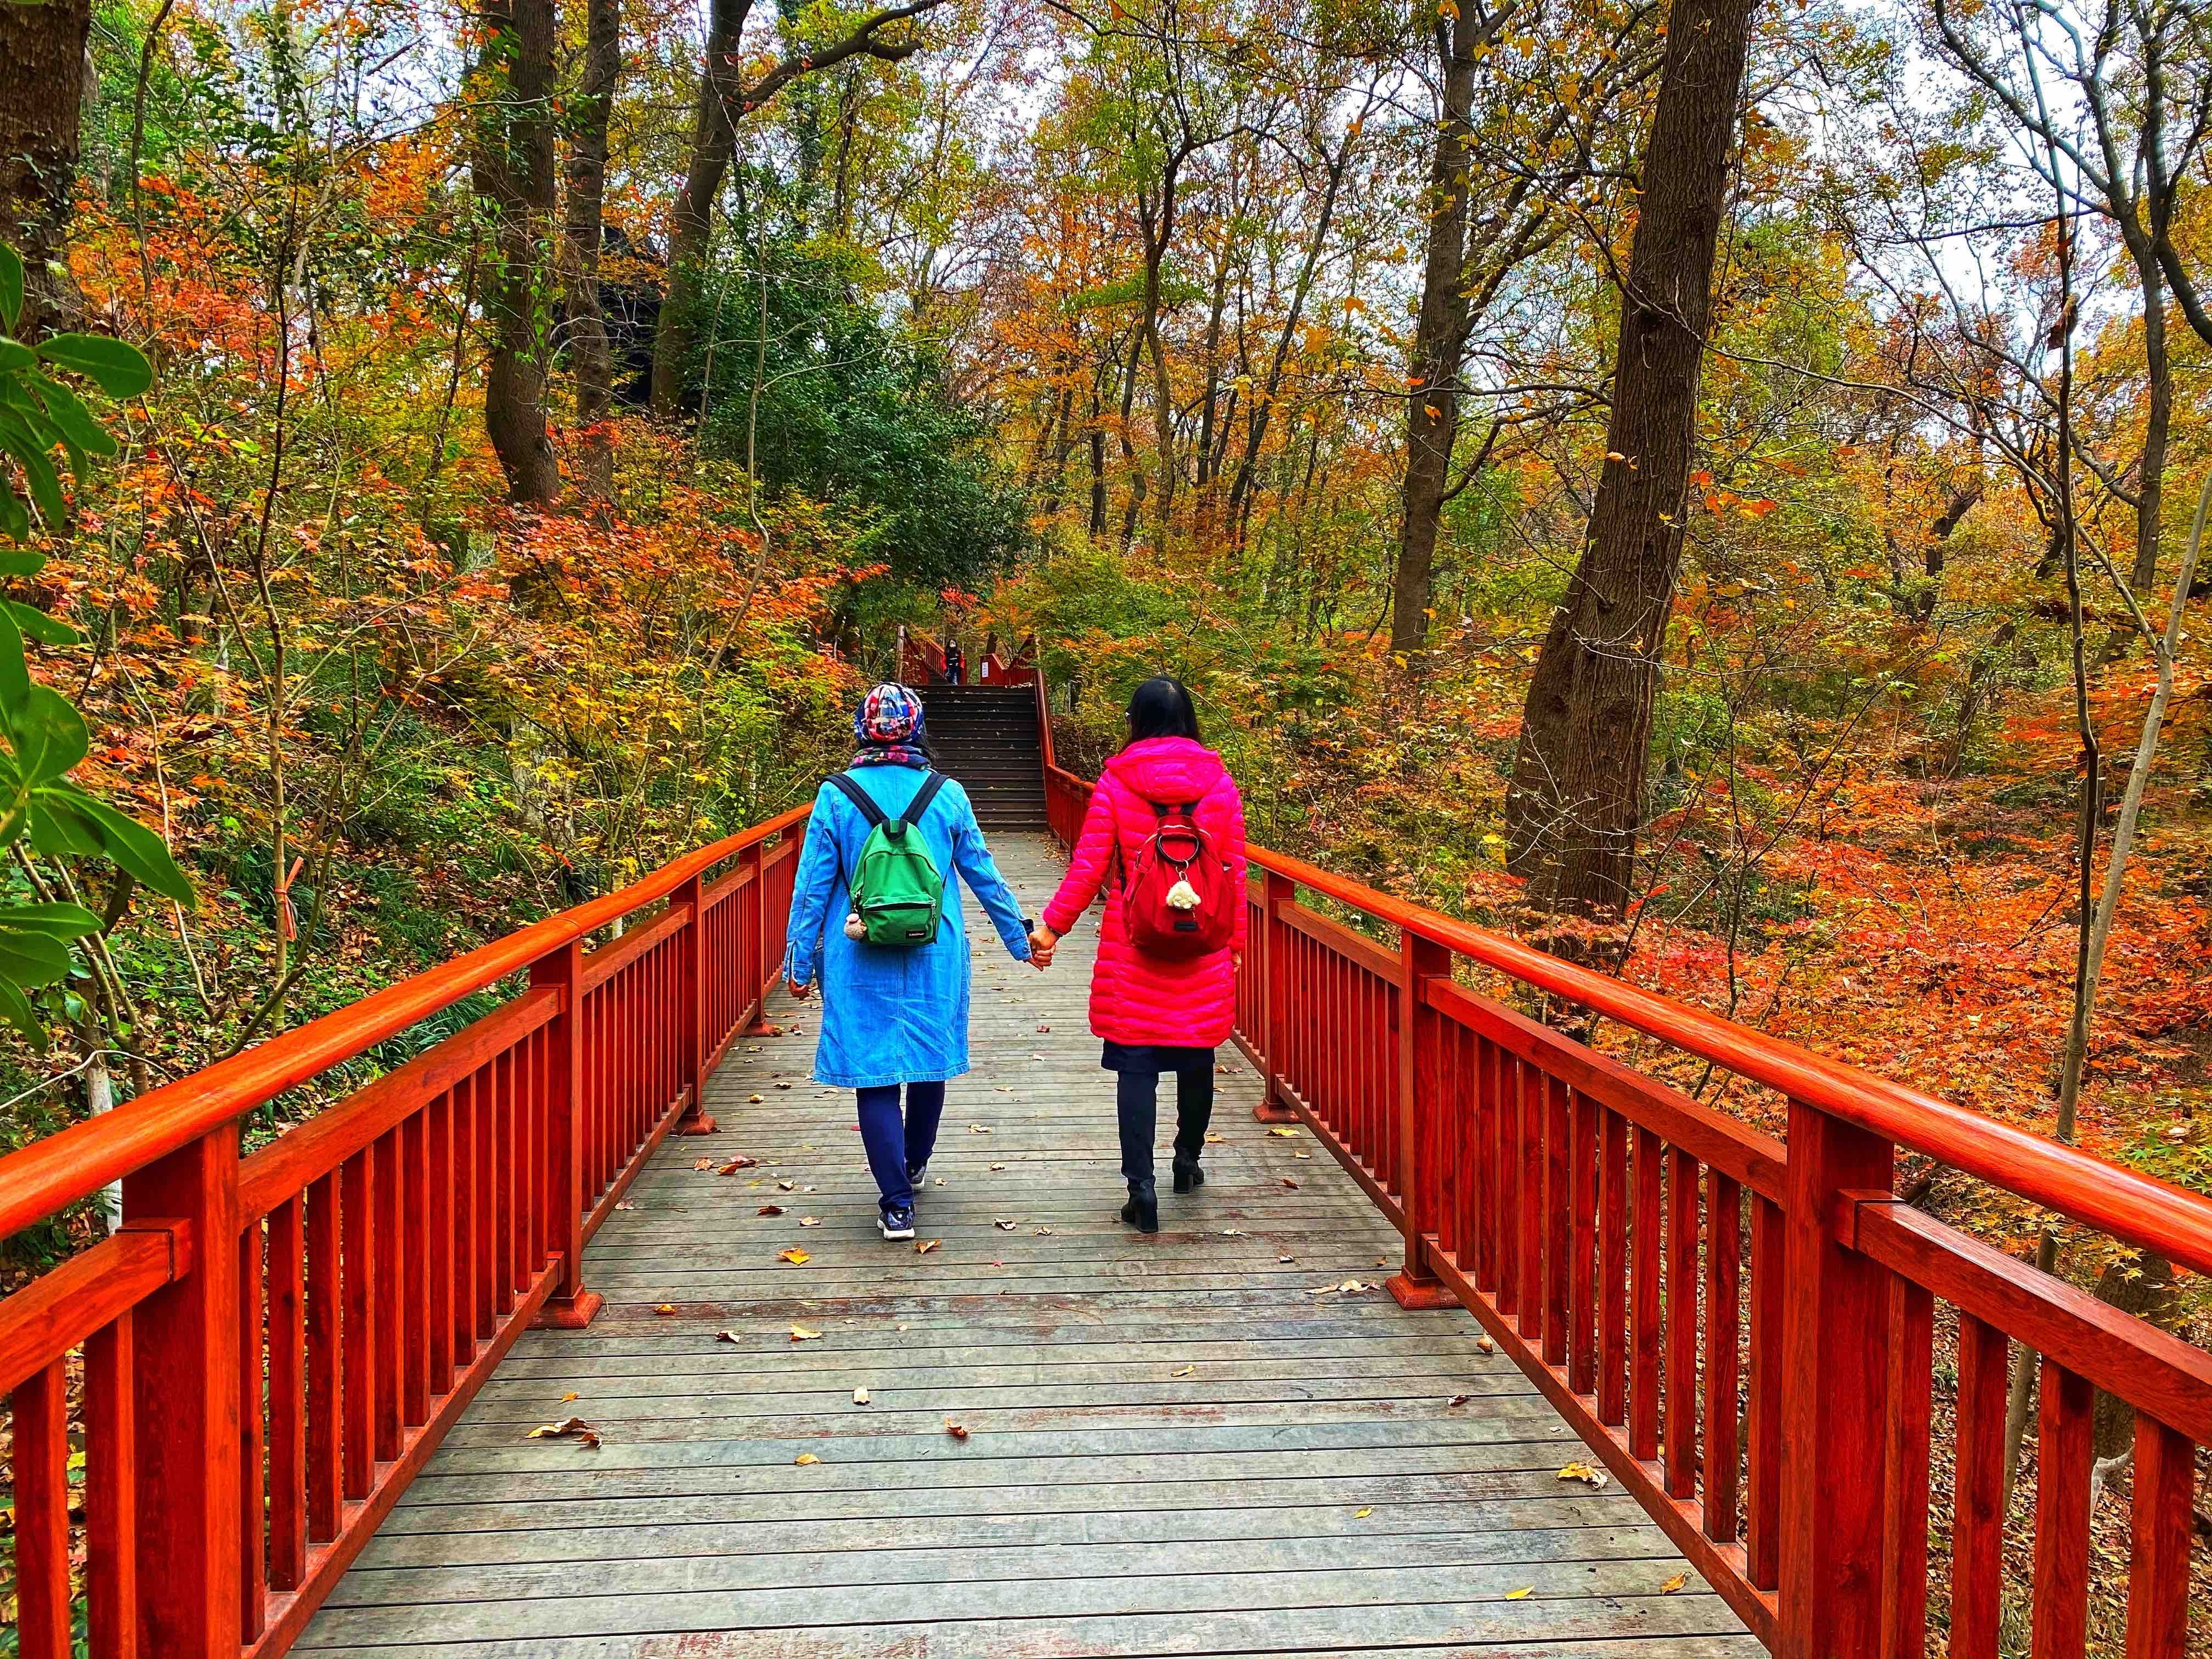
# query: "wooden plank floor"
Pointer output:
{"type": "Point", "coordinates": [1189, 1444]}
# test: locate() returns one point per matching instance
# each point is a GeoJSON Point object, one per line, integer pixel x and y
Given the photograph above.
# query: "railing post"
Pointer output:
{"type": "Point", "coordinates": [1835, 1339]}
{"type": "Point", "coordinates": [1420, 960]}
{"type": "Point", "coordinates": [1275, 891]}
{"type": "Point", "coordinates": [692, 895]}
{"type": "Point", "coordinates": [571, 1306]}
{"type": "Point", "coordinates": [756, 860]}
{"type": "Point", "coordinates": [186, 1423]}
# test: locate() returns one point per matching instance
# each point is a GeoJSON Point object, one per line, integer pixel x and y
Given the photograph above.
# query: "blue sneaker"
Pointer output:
{"type": "Point", "coordinates": [897, 1223]}
{"type": "Point", "coordinates": [917, 1175]}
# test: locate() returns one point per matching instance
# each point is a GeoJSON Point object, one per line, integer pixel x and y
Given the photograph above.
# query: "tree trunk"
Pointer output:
{"type": "Point", "coordinates": [1439, 336]}
{"type": "Point", "coordinates": [713, 140]}
{"type": "Point", "coordinates": [2158, 421]}
{"type": "Point", "coordinates": [514, 172]}
{"type": "Point", "coordinates": [589, 352]}
{"type": "Point", "coordinates": [1577, 794]}
{"type": "Point", "coordinates": [42, 75]}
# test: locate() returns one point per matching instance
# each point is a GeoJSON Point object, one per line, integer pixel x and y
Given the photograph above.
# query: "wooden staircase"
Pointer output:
{"type": "Point", "coordinates": [987, 737]}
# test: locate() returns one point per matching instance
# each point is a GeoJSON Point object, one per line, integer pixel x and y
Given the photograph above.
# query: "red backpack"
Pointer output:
{"type": "Point", "coordinates": [1180, 898]}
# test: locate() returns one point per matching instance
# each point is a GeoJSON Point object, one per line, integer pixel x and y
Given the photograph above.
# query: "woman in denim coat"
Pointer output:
{"type": "Point", "coordinates": [893, 1016]}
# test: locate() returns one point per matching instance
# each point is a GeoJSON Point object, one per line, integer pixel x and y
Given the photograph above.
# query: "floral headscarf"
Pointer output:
{"type": "Point", "coordinates": [889, 724]}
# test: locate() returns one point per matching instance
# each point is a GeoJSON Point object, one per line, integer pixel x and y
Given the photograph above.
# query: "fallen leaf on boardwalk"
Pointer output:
{"type": "Point", "coordinates": [923, 1247]}
{"type": "Point", "coordinates": [728, 1336]}
{"type": "Point", "coordinates": [1004, 1088]}
{"type": "Point", "coordinates": [783, 1085]}
{"type": "Point", "coordinates": [1037, 1056]}
{"type": "Point", "coordinates": [1232, 1232]}
{"type": "Point", "coordinates": [1044, 1028]}
{"type": "Point", "coordinates": [805, 1458]}
{"type": "Point", "coordinates": [665, 1308]}
{"type": "Point", "coordinates": [786, 1186]}
{"type": "Point", "coordinates": [624, 1204]}
{"type": "Point", "coordinates": [957, 1431]}
{"type": "Point", "coordinates": [1589, 1473]}
{"type": "Point", "coordinates": [1005, 1225]}
{"type": "Point", "coordinates": [734, 1165]}
{"type": "Point", "coordinates": [801, 1333]}
{"type": "Point", "coordinates": [1287, 1258]}
{"type": "Point", "coordinates": [1675, 1583]}
{"type": "Point", "coordinates": [810, 1221]}
{"type": "Point", "coordinates": [742, 1161]}
{"type": "Point", "coordinates": [977, 1129]}
{"type": "Point", "coordinates": [995, 1167]}
{"type": "Point", "coordinates": [797, 1257]}
{"type": "Point", "coordinates": [1458, 1399]}
{"type": "Point", "coordinates": [753, 1100]}
{"type": "Point", "coordinates": [769, 1209]}
{"type": "Point", "coordinates": [1187, 1371]}
{"type": "Point", "coordinates": [566, 1398]}
{"type": "Point", "coordinates": [1301, 1154]}
{"type": "Point", "coordinates": [1350, 1287]}
{"type": "Point", "coordinates": [1486, 1345]}
{"type": "Point", "coordinates": [1286, 1135]}
{"type": "Point", "coordinates": [1212, 1139]}
{"type": "Point", "coordinates": [568, 1428]}
{"type": "Point", "coordinates": [1044, 1232]}
{"type": "Point", "coordinates": [1291, 1184]}
{"type": "Point", "coordinates": [1521, 1595]}
{"type": "Point", "coordinates": [860, 1396]}
{"type": "Point", "coordinates": [702, 1162]}
{"type": "Point", "coordinates": [1361, 1515]}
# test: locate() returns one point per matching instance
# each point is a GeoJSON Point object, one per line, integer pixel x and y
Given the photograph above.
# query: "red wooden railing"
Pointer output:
{"type": "Point", "coordinates": [272, 1346]}
{"type": "Point", "coordinates": [1741, 1328]}
{"type": "Point", "coordinates": [922, 660]}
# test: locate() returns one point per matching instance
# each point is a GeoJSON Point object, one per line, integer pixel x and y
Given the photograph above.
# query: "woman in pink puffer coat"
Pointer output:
{"type": "Point", "coordinates": [1155, 1015]}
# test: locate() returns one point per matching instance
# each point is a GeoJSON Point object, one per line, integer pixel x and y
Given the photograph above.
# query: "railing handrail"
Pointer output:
{"type": "Point", "coordinates": [55, 1171]}
{"type": "Point", "coordinates": [2136, 1208]}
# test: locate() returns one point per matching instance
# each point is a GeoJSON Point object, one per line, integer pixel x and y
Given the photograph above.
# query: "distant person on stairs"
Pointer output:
{"type": "Point", "coordinates": [956, 663]}
{"type": "Point", "coordinates": [1166, 829]}
{"type": "Point", "coordinates": [878, 915]}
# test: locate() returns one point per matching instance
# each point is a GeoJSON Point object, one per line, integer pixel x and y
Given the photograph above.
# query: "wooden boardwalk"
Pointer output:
{"type": "Point", "coordinates": [1197, 1444]}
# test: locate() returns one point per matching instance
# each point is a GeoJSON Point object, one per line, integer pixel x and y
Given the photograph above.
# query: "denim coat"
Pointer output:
{"type": "Point", "coordinates": [892, 1014]}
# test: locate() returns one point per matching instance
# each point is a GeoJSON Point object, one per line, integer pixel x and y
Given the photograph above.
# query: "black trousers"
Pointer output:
{"type": "Point", "coordinates": [1136, 1099]}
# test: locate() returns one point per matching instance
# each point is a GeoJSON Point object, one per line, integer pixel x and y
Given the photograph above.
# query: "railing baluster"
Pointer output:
{"type": "Point", "coordinates": [1423, 1101]}
{"type": "Point", "coordinates": [251, 1518]}
{"type": "Point", "coordinates": [1682, 1345]}
{"type": "Point", "coordinates": [1978, 1490]}
{"type": "Point", "coordinates": [325, 1349]}
{"type": "Point", "coordinates": [42, 1507]}
{"type": "Point", "coordinates": [2159, 1552]}
{"type": "Point", "coordinates": [1274, 939]}
{"type": "Point", "coordinates": [1581, 1366]}
{"type": "Point", "coordinates": [389, 1281]}
{"type": "Point", "coordinates": [288, 1396]}
{"type": "Point", "coordinates": [1558, 1207]}
{"type": "Point", "coordinates": [1531, 1204]}
{"type": "Point", "coordinates": [503, 1162]}
{"type": "Point", "coordinates": [1905, 1472]}
{"type": "Point", "coordinates": [571, 1305]}
{"type": "Point", "coordinates": [110, 1514]}
{"type": "Point", "coordinates": [357, 1348]}
{"type": "Point", "coordinates": [462, 1278]}
{"type": "Point", "coordinates": [2065, 1421]}
{"type": "Point", "coordinates": [415, 1295]}
{"type": "Point", "coordinates": [1490, 1175]}
{"type": "Point", "coordinates": [1644, 1303]}
{"type": "Point", "coordinates": [1763, 1495]}
{"type": "Point", "coordinates": [1612, 1256]}
{"type": "Point", "coordinates": [1723, 1327]}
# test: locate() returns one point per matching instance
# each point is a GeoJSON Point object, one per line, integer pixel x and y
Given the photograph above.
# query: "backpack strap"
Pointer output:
{"type": "Point", "coordinates": [919, 804]}
{"type": "Point", "coordinates": [849, 786]}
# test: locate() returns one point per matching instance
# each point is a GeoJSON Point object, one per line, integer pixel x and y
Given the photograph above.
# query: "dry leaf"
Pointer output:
{"type": "Point", "coordinates": [805, 1458]}
{"type": "Point", "coordinates": [1486, 1345]}
{"type": "Point", "coordinates": [995, 1167]}
{"type": "Point", "coordinates": [1361, 1515]}
{"type": "Point", "coordinates": [568, 1428]}
{"type": "Point", "coordinates": [957, 1431]}
{"type": "Point", "coordinates": [977, 1129]}
{"type": "Point", "coordinates": [1589, 1473]}
{"type": "Point", "coordinates": [1521, 1595]}
{"type": "Point", "coordinates": [566, 1398]}
{"type": "Point", "coordinates": [923, 1247]}
{"type": "Point", "coordinates": [1005, 1225]}
{"type": "Point", "coordinates": [810, 1221]}
{"type": "Point", "coordinates": [1301, 1154]}
{"type": "Point", "coordinates": [801, 1333]}
{"type": "Point", "coordinates": [1232, 1232]}
{"type": "Point", "coordinates": [1291, 1184]}
{"type": "Point", "coordinates": [702, 1162]}
{"type": "Point", "coordinates": [624, 1204]}
{"type": "Point", "coordinates": [783, 1085]}
{"type": "Point", "coordinates": [1287, 1258]}
{"type": "Point", "coordinates": [1044, 1028]}
{"type": "Point", "coordinates": [1186, 1371]}
{"type": "Point", "coordinates": [1044, 1232]}
{"type": "Point", "coordinates": [665, 1308]}
{"type": "Point", "coordinates": [769, 1209]}
{"type": "Point", "coordinates": [797, 1257]}
{"type": "Point", "coordinates": [1286, 1134]}
{"type": "Point", "coordinates": [1675, 1583]}
{"type": "Point", "coordinates": [1212, 1139]}
{"type": "Point", "coordinates": [786, 1186]}
{"type": "Point", "coordinates": [727, 1336]}
{"type": "Point", "coordinates": [752, 1100]}
{"type": "Point", "coordinates": [734, 1165]}
{"type": "Point", "coordinates": [1458, 1399]}
{"type": "Point", "coordinates": [860, 1396]}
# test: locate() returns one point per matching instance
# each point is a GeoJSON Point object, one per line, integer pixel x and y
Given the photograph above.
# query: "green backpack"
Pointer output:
{"type": "Point", "coordinates": [897, 891]}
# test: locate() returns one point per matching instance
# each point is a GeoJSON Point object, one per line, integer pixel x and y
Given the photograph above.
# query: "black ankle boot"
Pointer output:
{"type": "Point", "coordinates": [1142, 1211]}
{"type": "Point", "coordinates": [1187, 1174]}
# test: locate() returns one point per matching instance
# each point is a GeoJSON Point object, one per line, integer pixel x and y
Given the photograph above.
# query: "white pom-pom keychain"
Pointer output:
{"type": "Point", "coordinates": [854, 927]}
{"type": "Point", "coordinates": [1182, 897]}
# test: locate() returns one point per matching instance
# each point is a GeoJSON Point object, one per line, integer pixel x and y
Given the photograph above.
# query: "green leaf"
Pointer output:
{"type": "Point", "coordinates": [50, 736]}
{"type": "Point", "coordinates": [58, 824]}
{"type": "Point", "coordinates": [131, 844]}
{"type": "Point", "coordinates": [68, 412]}
{"type": "Point", "coordinates": [15, 668]}
{"type": "Point", "coordinates": [15, 356]}
{"type": "Point", "coordinates": [39, 472]}
{"type": "Point", "coordinates": [21, 562]}
{"type": "Point", "coordinates": [11, 287]}
{"type": "Point", "coordinates": [15, 1008]}
{"type": "Point", "coordinates": [14, 518]}
{"type": "Point", "coordinates": [119, 369]}
{"type": "Point", "coordinates": [47, 630]}
{"type": "Point", "coordinates": [56, 920]}
{"type": "Point", "coordinates": [30, 959]}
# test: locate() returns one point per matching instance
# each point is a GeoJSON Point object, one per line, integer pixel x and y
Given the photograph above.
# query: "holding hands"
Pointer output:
{"type": "Point", "coordinates": [1041, 941]}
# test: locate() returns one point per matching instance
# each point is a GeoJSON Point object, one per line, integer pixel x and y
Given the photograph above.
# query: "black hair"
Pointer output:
{"type": "Point", "coordinates": [1162, 708]}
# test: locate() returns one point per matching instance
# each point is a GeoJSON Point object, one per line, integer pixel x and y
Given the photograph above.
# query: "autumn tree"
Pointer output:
{"type": "Point", "coordinates": [589, 352]}
{"type": "Point", "coordinates": [1576, 796]}
{"type": "Point", "coordinates": [42, 104]}
{"type": "Point", "coordinates": [513, 170]}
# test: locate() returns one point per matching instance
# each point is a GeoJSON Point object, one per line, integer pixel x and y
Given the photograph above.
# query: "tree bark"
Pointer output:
{"type": "Point", "coordinates": [589, 353]}
{"type": "Point", "coordinates": [1577, 794]}
{"type": "Point", "coordinates": [514, 172]}
{"type": "Point", "coordinates": [1439, 340]}
{"type": "Point", "coordinates": [42, 73]}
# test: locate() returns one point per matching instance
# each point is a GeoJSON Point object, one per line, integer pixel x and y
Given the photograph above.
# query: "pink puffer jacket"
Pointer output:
{"type": "Point", "coordinates": [1138, 999]}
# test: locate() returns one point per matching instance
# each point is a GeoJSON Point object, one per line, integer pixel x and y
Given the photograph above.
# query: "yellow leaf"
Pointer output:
{"type": "Point", "coordinates": [797, 1257]}
{"type": "Point", "coordinates": [1521, 1595]}
{"type": "Point", "coordinates": [665, 1308]}
{"type": "Point", "coordinates": [805, 1458]}
{"type": "Point", "coordinates": [1287, 1133]}
{"type": "Point", "coordinates": [801, 1333]}
{"type": "Point", "coordinates": [566, 1398]}
{"type": "Point", "coordinates": [1361, 1515]}
{"type": "Point", "coordinates": [924, 1246]}
{"type": "Point", "coordinates": [1675, 1583]}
